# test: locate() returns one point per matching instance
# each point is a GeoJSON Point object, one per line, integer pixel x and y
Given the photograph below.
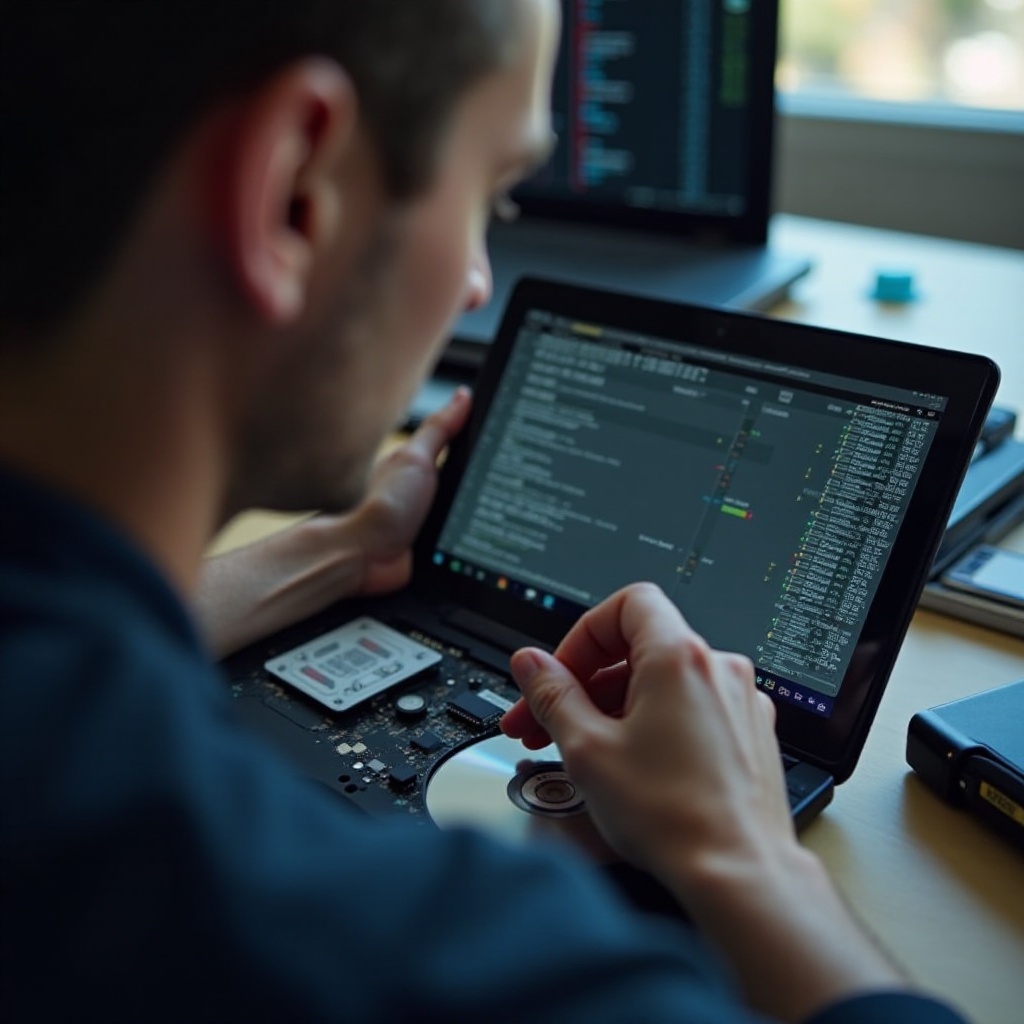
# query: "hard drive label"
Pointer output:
{"type": "Point", "coordinates": [352, 663]}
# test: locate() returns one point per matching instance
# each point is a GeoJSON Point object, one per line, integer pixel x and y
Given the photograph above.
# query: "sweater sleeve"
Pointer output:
{"type": "Point", "coordinates": [888, 1008]}
{"type": "Point", "coordinates": [159, 863]}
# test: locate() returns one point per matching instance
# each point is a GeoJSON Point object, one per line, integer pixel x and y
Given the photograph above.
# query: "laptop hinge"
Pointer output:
{"type": "Point", "coordinates": [487, 629]}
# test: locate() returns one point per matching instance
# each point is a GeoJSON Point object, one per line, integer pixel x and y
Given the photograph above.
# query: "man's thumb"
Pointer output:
{"type": "Point", "coordinates": [553, 694]}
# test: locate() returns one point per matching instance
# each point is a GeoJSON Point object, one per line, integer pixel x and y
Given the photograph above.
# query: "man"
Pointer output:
{"type": "Point", "coordinates": [234, 236]}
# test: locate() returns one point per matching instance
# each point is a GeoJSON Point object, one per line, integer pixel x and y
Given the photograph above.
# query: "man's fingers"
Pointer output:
{"type": "Point", "coordinates": [606, 691]}
{"type": "Point", "coordinates": [608, 688]}
{"type": "Point", "coordinates": [595, 650]}
{"type": "Point", "coordinates": [637, 617]}
{"type": "Point", "coordinates": [518, 723]}
{"type": "Point", "coordinates": [589, 673]}
{"type": "Point", "coordinates": [431, 436]}
{"type": "Point", "coordinates": [557, 703]}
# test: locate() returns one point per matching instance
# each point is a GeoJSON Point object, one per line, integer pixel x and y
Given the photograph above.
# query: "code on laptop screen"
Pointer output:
{"type": "Point", "coordinates": [763, 498]}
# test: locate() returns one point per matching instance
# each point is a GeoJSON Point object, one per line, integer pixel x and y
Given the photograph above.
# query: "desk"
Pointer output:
{"type": "Point", "coordinates": [941, 893]}
{"type": "Point", "coordinates": [971, 297]}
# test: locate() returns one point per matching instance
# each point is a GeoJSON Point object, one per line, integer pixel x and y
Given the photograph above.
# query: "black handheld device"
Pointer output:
{"type": "Point", "coordinates": [971, 752]}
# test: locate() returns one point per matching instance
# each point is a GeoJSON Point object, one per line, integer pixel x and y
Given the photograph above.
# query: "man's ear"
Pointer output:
{"type": "Point", "coordinates": [279, 203]}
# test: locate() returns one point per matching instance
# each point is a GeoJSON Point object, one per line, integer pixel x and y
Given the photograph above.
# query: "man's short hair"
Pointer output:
{"type": "Point", "coordinates": [96, 93]}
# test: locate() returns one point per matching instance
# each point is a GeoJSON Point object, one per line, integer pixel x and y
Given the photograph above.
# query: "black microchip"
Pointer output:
{"type": "Point", "coordinates": [402, 777]}
{"type": "Point", "coordinates": [473, 709]}
{"type": "Point", "coordinates": [427, 741]}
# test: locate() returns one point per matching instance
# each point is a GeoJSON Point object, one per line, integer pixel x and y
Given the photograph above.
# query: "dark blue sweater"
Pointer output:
{"type": "Point", "coordinates": [159, 863]}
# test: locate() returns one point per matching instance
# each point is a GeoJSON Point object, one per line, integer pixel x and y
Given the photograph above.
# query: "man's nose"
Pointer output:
{"type": "Point", "coordinates": [481, 282]}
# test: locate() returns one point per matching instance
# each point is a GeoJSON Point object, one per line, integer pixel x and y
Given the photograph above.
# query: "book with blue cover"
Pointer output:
{"type": "Point", "coordinates": [989, 506]}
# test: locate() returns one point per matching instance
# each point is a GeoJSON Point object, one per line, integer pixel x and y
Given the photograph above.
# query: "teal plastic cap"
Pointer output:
{"type": "Point", "coordinates": [894, 286]}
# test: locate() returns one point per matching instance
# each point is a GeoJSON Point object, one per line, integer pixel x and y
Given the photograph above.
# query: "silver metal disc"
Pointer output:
{"type": "Point", "coordinates": [516, 794]}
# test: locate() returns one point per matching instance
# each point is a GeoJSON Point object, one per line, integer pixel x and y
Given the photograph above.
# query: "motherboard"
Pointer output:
{"type": "Point", "coordinates": [379, 754]}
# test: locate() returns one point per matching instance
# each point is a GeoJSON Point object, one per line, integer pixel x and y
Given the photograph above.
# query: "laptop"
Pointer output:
{"type": "Point", "coordinates": [786, 485]}
{"type": "Point", "coordinates": [661, 181]}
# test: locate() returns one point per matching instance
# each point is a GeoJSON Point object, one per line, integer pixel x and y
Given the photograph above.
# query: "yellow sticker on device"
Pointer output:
{"type": "Point", "coordinates": [1002, 802]}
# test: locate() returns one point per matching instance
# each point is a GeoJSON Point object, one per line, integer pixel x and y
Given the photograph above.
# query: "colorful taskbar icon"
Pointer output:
{"type": "Point", "coordinates": [498, 581]}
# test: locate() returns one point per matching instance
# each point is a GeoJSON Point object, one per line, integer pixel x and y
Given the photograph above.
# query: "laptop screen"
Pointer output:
{"type": "Point", "coordinates": [663, 110]}
{"type": "Point", "coordinates": [763, 497]}
{"type": "Point", "coordinates": [787, 485]}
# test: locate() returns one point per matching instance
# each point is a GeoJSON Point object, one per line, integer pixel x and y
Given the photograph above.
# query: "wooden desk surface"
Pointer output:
{"type": "Point", "coordinates": [971, 297]}
{"type": "Point", "coordinates": [945, 896]}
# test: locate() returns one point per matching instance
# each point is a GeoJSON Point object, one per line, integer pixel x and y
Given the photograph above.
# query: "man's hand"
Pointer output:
{"type": "Point", "coordinates": [675, 751]}
{"type": "Point", "coordinates": [401, 489]}
{"type": "Point", "coordinates": [253, 591]}
{"type": "Point", "coordinates": [670, 741]}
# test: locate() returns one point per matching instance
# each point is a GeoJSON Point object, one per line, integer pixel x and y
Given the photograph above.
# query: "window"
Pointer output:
{"type": "Point", "coordinates": [959, 53]}
{"type": "Point", "coordinates": [904, 114]}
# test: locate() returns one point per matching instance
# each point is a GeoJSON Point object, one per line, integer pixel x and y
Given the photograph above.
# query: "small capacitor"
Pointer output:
{"type": "Point", "coordinates": [411, 705]}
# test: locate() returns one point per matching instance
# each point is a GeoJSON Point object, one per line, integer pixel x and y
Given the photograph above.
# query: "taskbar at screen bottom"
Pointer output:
{"type": "Point", "coordinates": [531, 593]}
{"type": "Point", "coordinates": [796, 694]}
{"type": "Point", "coordinates": [777, 687]}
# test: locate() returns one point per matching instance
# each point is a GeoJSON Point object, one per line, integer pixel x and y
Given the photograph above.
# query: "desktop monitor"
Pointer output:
{"type": "Point", "coordinates": [664, 110]}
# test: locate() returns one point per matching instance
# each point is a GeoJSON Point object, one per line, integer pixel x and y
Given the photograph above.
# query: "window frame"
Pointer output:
{"type": "Point", "coordinates": [933, 169]}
